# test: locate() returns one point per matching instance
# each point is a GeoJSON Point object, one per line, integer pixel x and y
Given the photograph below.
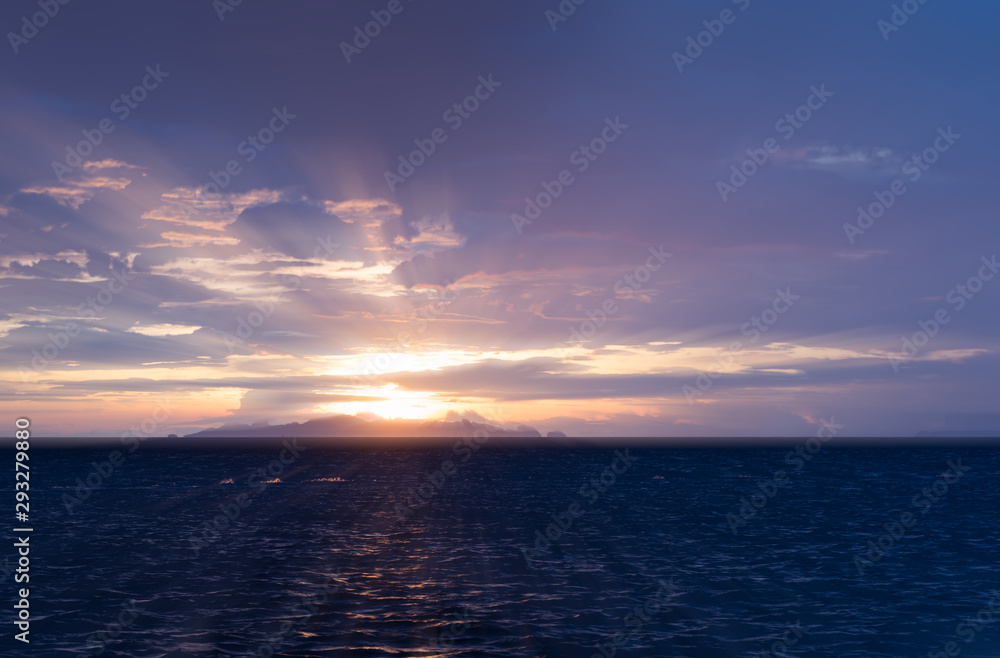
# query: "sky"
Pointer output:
{"type": "Point", "coordinates": [610, 219]}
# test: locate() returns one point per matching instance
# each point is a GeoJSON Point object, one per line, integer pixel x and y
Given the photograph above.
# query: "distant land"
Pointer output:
{"type": "Point", "coordinates": [345, 426]}
{"type": "Point", "coordinates": [369, 430]}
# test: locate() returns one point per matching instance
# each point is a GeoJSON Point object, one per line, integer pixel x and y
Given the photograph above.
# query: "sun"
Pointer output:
{"type": "Point", "coordinates": [393, 404]}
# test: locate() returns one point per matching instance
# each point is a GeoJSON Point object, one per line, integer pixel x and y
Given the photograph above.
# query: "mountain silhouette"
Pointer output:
{"type": "Point", "coordinates": [357, 427]}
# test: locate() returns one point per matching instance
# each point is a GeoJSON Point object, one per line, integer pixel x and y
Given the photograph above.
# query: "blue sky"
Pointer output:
{"type": "Point", "coordinates": [429, 297]}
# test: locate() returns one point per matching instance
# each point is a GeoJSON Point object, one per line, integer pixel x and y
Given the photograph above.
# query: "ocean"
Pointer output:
{"type": "Point", "coordinates": [490, 551]}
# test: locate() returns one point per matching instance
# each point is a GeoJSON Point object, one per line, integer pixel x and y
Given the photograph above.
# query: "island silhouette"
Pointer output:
{"type": "Point", "coordinates": [348, 426]}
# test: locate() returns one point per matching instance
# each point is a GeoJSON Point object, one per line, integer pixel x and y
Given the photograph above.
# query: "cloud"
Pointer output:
{"type": "Point", "coordinates": [434, 233]}
{"type": "Point", "coordinates": [163, 329]}
{"type": "Point", "coordinates": [81, 186]}
{"type": "Point", "coordinates": [848, 162]}
{"type": "Point", "coordinates": [300, 230]}
{"type": "Point", "coordinates": [48, 269]}
{"type": "Point", "coordinates": [191, 208]}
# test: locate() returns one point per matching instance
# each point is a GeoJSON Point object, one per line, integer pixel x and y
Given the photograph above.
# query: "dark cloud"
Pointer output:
{"type": "Point", "coordinates": [299, 230]}
{"type": "Point", "coordinates": [49, 269]}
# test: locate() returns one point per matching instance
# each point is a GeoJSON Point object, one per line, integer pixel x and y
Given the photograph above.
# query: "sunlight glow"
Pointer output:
{"type": "Point", "coordinates": [412, 405]}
